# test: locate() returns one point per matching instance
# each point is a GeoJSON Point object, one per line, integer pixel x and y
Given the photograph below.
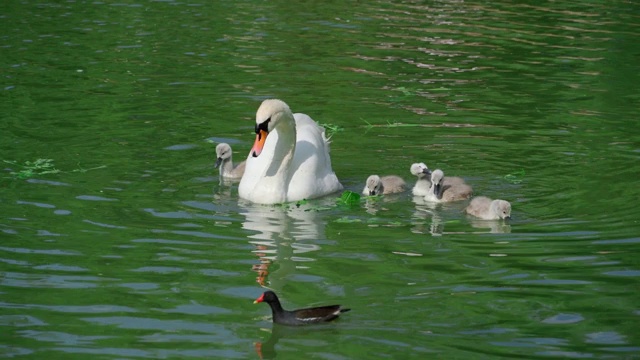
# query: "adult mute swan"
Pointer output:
{"type": "Point", "coordinates": [289, 160]}
{"type": "Point", "coordinates": [389, 184]}
{"type": "Point", "coordinates": [487, 209]}
{"type": "Point", "coordinates": [225, 163]}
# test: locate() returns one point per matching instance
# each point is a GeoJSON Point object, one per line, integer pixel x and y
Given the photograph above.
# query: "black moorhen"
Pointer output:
{"type": "Point", "coordinates": [298, 317]}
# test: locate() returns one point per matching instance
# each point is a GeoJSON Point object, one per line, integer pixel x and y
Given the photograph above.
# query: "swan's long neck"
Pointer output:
{"type": "Point", "coordinates": [227, 167]}
{"type": "Point", "coordinates": [277, 176]}
{"type": "Point", "coordinates": [436, 190]}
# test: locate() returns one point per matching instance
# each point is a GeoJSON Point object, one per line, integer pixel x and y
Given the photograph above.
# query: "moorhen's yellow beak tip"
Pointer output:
{"type": "Point", "coordinates": [255, 302]}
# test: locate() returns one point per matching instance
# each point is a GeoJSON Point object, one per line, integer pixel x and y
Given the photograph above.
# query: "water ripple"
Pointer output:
{"type": "Point", "coordinates": [61, 337]}
{"type": "Point", "coordinates": [197, 309]}
{"type": "Point", "coordinates": [159, 269]}
{"type": "Point", "coordinates": [20, 320]}
{"type": "Point", "coordinates": [564, 319]}
{"type": "Point", "coordinates": [629, 273]}
{"type": "Point", "coordinates": [173, 242]}
{"type": "Point", "coordinates": [109, 226]}
{"type": "Point", "coordinates": [47, 182]}
{"type": "Point", "coordinates": [42, 205]}
{"type": "Point", "coordinates": [94, 198]}
{"type": "Point", "coordinates": [51, 281]}
{"type": "Point", "coordinates": [128, 322]}
{"type": "Point", "coordinates": [37, 251]}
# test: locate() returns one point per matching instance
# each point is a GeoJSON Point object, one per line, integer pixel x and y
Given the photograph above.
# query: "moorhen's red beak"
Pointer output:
{"type": "Point", "coordinates": [259, 300]}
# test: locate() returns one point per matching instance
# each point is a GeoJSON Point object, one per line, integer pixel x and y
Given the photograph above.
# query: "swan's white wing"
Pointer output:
{"type": "Point", "coordinates": [311, 174]}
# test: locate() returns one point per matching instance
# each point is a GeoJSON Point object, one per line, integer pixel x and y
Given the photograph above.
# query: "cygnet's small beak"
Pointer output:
{"type": "Point", "coordinates": [218, 162]}
{"type": "Point", "coordinates": [426, 172]}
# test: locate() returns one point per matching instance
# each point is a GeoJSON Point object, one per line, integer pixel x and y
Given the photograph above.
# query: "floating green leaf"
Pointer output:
{"type": "Point", "coordinates": [40, 167]}
{"type": "Point", "coordinates": [405, 91]}
{"type": "Point", "coordinates": [515, 177]}
{"type": "Point", "coordinates": [390, 124]}
{"type": "Point", "coordinates": [348, 220]}
{"type": "Point", "coordinates": [33, 168]}
{"type": "Point", "coordinates": [331, 129]}
{"type": "Point", "coordinates": [349, 198]}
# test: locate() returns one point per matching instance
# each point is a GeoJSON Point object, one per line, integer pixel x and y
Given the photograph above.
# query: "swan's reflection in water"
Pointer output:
{"type": "Point", "coordinates": [222, 194]}
{"type": "Point", "coordinates": [228, 183]}
{"type": "Point", "coordinates": [373, 204]}
{"type": "Point", "coordinates": [283, 234]}
{"type": "Point", "coordinates": [493, 226]}
{"type": "Point", "coordinates": [426, 219]}
{"type": "Point", "coordinates": [285, 239]}
{"type": "Point", "coordinates": [429, 217]}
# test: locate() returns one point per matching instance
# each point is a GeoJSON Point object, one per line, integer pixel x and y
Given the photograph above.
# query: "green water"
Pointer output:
{"type": "Point", "coordinates": [133, 249]}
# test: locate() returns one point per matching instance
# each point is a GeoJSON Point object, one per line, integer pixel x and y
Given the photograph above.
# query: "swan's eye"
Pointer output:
{"type": "Point", "coordinates": [263, 126]}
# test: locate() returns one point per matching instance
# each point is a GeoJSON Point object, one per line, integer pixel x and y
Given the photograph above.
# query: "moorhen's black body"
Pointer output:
{"type": "Point", "coordinates": [298, 317]}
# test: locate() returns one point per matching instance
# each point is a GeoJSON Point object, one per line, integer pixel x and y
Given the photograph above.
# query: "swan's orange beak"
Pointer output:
{"type": "Point", "coordinates": [259, 300]}
{"type": "Point", "coordinates": [261, 137]}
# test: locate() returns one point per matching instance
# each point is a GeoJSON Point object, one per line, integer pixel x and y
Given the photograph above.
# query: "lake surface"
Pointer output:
{"type": "Point", "coordinates": [121, 243]}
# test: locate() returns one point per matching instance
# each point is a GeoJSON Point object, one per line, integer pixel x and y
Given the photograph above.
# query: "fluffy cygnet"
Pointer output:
{"type": "Point", "coordinates": [225, 163]}
{"type": "Point", "coordinates": [487, 209]}
{"type": "Point", "coordinates": [390, 184]}
{"type": "Point", "coordinates": [421, 188]}
{"type": "Point", "coordinates": [442, 190]}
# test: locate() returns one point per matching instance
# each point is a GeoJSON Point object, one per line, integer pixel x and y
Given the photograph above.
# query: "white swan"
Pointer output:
{"type": "Point", "coordinates": [289, 160]}
{"type": "Point", "coordinates": [225, 162]}
{"type": "Point", "coordinates": [389, 184]}
{"type": "Point", "coordinates": [487, 209]}
{"type": "Point", "coordinates": [442, 191]}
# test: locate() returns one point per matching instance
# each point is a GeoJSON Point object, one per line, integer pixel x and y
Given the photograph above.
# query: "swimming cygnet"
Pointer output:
{"type": "Point", "coordinates": [487, 209]}
{"type": "Point", "coordinates": [224, 161]}
{"type": "Point", "coordinates": [421, 188]}
{"type": "Point", "coordinates": [442, 190]}
{"type": "Point", "coordinates": [390, 184]}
